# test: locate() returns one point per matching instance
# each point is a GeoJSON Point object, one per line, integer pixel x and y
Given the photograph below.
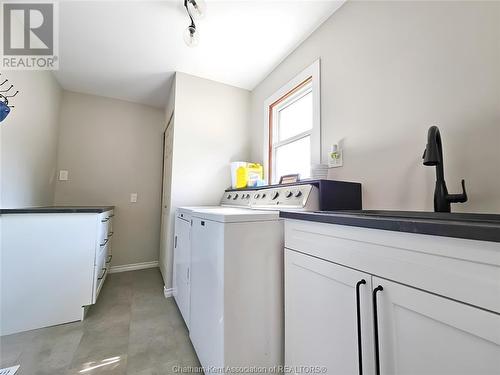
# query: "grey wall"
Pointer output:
{"type": "Point", "coordinates": [112, 148]}
{"type": "Point", "coordinates": [28, 140]}
{"type": "Point", "coordinates": [389, 70]}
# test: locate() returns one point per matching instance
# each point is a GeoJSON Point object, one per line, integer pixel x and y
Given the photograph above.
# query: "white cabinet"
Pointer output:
{"type": "Point", "coordinates": [322, 325]}
{"type": "Point", "coordinates": [52, 266]}
{"type": "Point", "coordinates": [421, 333]}
{"type": "Point", "coordinates": [182, 264]}
{"type": "Point", "coordinates": [416, 311]}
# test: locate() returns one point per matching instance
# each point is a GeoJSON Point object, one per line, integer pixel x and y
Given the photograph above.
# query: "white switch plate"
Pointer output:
{"type": "Point", "coordinates": [63, 175]}
{"type": "Point", "coordinates": [133, 197]}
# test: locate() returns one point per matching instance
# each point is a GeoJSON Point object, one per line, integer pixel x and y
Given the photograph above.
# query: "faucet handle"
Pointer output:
{"type": "Point", "coordinates": [458, 198]}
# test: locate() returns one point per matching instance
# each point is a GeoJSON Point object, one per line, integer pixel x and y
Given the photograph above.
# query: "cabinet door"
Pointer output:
{"type": "Point", "coordinates": [424, 334]}
{"type": "Point", "coordinates": [182, 264]}
{"type": "Point", "coordinates": [321, 320]}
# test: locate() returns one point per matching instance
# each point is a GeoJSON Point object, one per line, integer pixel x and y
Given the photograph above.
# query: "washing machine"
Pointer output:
{"type": "Point", "coordinates": [236, 277]}
{"type": "Point", "coordinates": [181, 276]}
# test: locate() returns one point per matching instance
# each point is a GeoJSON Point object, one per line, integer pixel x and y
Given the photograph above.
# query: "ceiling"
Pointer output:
{"type": "Point", "coordinates": [130, 49]}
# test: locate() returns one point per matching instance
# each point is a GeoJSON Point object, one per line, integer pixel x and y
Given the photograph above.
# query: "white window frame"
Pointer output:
{"type": "Point", "coordinates": [271, 109]}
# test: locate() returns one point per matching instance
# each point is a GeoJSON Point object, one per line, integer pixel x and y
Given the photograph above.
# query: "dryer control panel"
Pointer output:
{"type": "Point", "coordinates": [240, 198]}
{"type": "Point", "coordinates": [291, 197]}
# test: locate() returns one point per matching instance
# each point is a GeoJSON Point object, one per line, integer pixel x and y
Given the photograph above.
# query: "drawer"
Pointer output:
{"type": "Point", "coordinates": [100, 273]}
{"type": "Point", "coordinates": [101, 252]}
{"type": "Point", "coordinates": [463, 270]}
{"type": "Point", "coordinates": [104, 226]}
{"type": "Point", "coordinates": [109, 254]}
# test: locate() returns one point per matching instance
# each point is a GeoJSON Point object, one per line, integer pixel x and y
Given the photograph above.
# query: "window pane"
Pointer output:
{"type": "Point", "coordinates": [293, 158]}
{"type": "Point", "coordinates": [296, 117]}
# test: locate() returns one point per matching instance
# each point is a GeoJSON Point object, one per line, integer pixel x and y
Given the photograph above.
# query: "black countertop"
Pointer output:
{"type": "Point", "coordinates": [483, 227]}
{"type": "Point", "coordinates": [56, 210]}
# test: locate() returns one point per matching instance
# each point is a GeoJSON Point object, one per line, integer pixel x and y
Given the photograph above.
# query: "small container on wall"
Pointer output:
{"type": "Point", "coordinates": [335, 156]}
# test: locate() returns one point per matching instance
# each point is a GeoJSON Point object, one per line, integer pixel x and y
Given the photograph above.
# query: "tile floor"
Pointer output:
{"type": "Point", "coordinates": [132, 330]}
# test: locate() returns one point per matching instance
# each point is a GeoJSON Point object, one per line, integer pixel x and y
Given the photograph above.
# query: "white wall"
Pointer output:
{"type": "Point", "coordinates": [112, 148]}
{"type": "Point", "coordinates": [28, 140]}
{"type": "Point", "coordinates": [210, 131]}
{"type": "Point", "coordinates": [389, 70]}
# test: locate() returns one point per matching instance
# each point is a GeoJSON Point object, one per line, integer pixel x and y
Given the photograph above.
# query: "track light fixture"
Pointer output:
{"type": "Point", "coordinates": [194, 9]}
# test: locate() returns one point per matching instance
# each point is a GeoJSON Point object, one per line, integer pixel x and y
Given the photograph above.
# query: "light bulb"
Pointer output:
{"type": "Point", "coordinates": [191, 36]}
{"type": "Point", "coordinates": [197, 8]}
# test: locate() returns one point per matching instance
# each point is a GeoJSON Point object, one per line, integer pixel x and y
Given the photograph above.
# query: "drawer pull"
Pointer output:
{"type": "Point", "coordinates": [358, 321]}
{"type": "Point", "coordinates": [109, 258]}
{"type": "Point", "coordinates": [110, 234]}
{"type": "Point", "coordinates": [103, 273]}
{"type": "Point", "coordinates": [104, 243]}
{"type": "Point", "coordinates": [110, 216]}
{"type": "Point", "coordinates": [104, 220]}
{"type": "Point", "coordinates": [375, 328]}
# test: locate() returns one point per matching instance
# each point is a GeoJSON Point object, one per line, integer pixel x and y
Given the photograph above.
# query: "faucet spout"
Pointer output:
{"type": "Point", "coordinates": [433, 156]}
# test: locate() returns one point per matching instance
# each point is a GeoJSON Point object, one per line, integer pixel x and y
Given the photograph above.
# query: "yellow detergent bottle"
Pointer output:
{"type": "Point", "coordinates": [249, 175]}
{"type": "Point", "coordinates": [241, 177]}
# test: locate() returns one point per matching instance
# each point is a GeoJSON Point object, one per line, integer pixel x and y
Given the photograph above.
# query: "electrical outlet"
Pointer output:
{"type": "Point", "coordinates": [133, 197]}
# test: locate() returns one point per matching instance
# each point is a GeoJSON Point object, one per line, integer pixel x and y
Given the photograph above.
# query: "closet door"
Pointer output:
{"type": "Point", "coordinates": [322, 324]}
{"type": "Point", "coordinates": [423, 334]}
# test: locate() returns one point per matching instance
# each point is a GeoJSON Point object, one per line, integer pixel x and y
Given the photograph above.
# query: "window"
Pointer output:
{"type": "Point", "coordinates": [292, 127]}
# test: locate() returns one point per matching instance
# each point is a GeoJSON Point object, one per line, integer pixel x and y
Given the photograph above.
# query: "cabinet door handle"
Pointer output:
{"type": "Point", "coordinates": [104, 220]}
{"type": "Point", "coordinates": [109, 258]}
{"type": "Point", "coordinates": [375, 329]}
{"type": "Point", "coordinates": [175, 242]}
{"type": "Point", "coordinates": [104, 272]}
{"type": "Point", "coordinates": [188, 274]}
{"type": "Point", "coordinates": [358, 317]}
{"type": "Point", "coordinates": [104, 243]}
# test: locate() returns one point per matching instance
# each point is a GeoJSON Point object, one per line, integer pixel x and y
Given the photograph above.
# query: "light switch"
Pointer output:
{"type": "Point", "coordinates": [63, 175]}
{"type": "Point", "coordinates": [133, 197]}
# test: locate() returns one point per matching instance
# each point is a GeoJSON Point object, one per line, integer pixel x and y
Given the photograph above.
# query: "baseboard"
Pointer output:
{"type": "Point", "coordinates": [168, 292]}
{"type": "Point", "coordinates": [133, 267]}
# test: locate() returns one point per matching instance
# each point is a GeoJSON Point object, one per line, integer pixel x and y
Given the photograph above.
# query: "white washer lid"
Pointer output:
{"type": "Point", "coordinates": [235, 215]}
{"type": "Point", "coordinates": [187, 210]}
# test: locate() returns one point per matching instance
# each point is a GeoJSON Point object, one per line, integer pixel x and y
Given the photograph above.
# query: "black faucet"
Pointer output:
{"type": "Point", "coordinates": [433, 155]}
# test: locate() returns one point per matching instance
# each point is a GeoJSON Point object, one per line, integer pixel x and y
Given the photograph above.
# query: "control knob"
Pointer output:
{"type": "Point", "coordinates": [288, 194]}
{"type": "Point", "coordinates": [235, 196]}
{"type": "Point", "coordinates": [275, 195]}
